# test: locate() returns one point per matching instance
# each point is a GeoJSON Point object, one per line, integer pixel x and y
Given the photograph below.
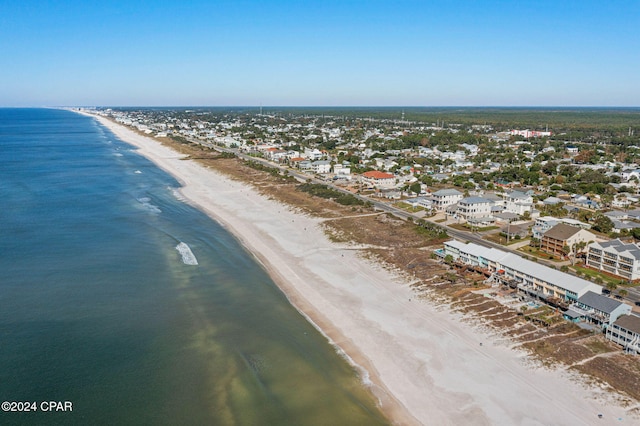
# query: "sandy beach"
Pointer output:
{"type": "Point", "coordinates": [425, 364]}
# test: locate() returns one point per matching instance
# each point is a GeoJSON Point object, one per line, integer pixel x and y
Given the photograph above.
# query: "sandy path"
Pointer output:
{"type": "Point", "coordinates": [425, 364]}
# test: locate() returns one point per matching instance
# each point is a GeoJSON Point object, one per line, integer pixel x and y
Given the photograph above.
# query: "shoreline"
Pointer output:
{"type": "Point", "coordinates": [425, 364]}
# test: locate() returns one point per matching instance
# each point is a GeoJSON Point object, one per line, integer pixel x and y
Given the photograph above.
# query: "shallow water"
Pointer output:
{"type": "Point", "coordinates": [135, 306]}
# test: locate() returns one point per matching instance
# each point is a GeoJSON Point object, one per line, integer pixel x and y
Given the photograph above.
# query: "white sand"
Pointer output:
{"type": "Point", "coordinates": [426, 365]}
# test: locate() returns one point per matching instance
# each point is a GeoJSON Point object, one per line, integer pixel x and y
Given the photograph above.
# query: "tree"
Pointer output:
{"type": "Point", "coordinates": [623, 293]}
{"type": "Point", "coordinates": [611, 286]}
{"type": "Point", "coordinates": [415, 187]}
{"type": "Point", "coordinates": [602, 224]}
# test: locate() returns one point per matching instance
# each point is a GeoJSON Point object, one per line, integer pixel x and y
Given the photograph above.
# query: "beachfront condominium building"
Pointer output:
{"type": "Point", "coordinates": [562, 236]}
{"type": "Point", "coordinates": [544, 223]}
{"type": "Point", "coordinates": [615, 257]}
{"type": "Point", "coordinates": [528, 277]}
{"type": "Point", "coordinates": [626, 332]}
{"type": "Point", "coordinates": [445, 198]}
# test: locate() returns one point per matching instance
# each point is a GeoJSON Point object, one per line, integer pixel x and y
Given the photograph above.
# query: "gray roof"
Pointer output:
{"type": "Point", "coordinates": [616, 214]}
{"type": "Point", "coordinates": [507, 215]}
{"type": "Point", "coordinates": [622, 224]}
{"type": "Point", "coordinates": [621, 248]}
{"type": "Point", "coordinates": [491, 196]}
{"type": "Point", "coordinates": [475, 200]}
{"type": "Point", "coordinates": [599, 302]}
{"type": "Point", "coordinates": [552, 200]}
{"type": "Point", "coordinates": [446, 192]}
{"type": "Point", "coordinates": [517, 194]}
{"type": "Point", "coordinates": [572, 314]}
{"type": "Point", "coordinates": [629, 322]}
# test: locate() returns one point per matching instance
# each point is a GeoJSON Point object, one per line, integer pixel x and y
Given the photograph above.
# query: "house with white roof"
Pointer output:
{"type": "Point", "coordinates": [615, 257]}
{"type": "Point", "coordinates": [528, 277]}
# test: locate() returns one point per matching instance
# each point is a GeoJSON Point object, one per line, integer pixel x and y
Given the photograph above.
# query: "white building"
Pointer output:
{"type": "Point", "coordinates": [615, 257]}
{"type": "Point", "coordinates": [529, 277]}
{"type": "Point", "coordinates": [445, 197]}
{"type": "Point", "coordinates": [473, 207]}
{"type": "Point", "coordinates": [379, 179]}
{"type": "Point", "coordinates": [626, 332]}
{"type": "Point", "coordinates": [518, 202]}
{"type": "Point", "coordinates": [321, 166]}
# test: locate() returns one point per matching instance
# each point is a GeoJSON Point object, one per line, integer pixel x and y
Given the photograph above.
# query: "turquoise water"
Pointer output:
{"type": "Point", "coordinates": [98, 307]}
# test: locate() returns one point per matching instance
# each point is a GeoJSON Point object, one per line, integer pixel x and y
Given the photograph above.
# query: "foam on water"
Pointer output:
{"type": "Point", "coordinates": [178, 196]}
{"type": "Point", "coordinates": [146, 203]}
{"type": "Point", "coordinates": [188, 258]}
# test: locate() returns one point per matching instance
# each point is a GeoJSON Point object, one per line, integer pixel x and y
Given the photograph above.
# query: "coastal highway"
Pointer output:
{"type": "Point", "coordinates": [633, 295]}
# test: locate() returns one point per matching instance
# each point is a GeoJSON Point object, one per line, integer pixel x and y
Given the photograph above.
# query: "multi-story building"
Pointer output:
{"type": "Point", "coordinates": [562, 235]}
{"type": "Point", "coordinates": [445, 198]}
{"type": "Point", "coordinates": [615, 257]}
{"type": "Point", "coordinates": [542, 225]}
{"type": "Point", "coordinates": [473, 207]}
{"type": "Point", "coordinates": [597, 309]}
{"type": "Point", "coordinates": [528, 277]}
{"type": "Point", "coordinates": [321, 166]}
{"type": "Point", "coordinates": [518, 202]}
{"type": "Point", "coordinates": [379, 179]}
{"type": "Point", "coordinates": [625, 331]}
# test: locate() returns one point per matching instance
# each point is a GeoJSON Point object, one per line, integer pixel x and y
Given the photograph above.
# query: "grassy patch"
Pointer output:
{"type": "Point", "coordinates": [324, 191]}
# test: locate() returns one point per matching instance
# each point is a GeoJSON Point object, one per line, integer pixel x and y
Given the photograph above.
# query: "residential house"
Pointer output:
{"type": "Point", "coordinates": [597, 309]}
{"type": "Point", "coordinates": [562, 235]}
{"type": "Point", "coordinates": [423, 202]}
{"type": "Point", "coordinates": [615, 257]}
{"type": "Point", "coordinates": [518, 202]}
{"type": "Point", "coordinates": [625, 331]}
{"type": "Point", "coordinates": [321, 166]}
{"type": "Point", "coordinates": [542, 225]}
{"type": "Point", "coordinates": [473, 207]}
{"type": "Point", "coordinates": [379, 179]}
{"type": "Point", "coordinates": [446, 197]}
{"type": "Point", "coordinates": [623, 225]}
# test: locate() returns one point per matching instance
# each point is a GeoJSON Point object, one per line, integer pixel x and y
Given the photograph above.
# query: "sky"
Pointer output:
{"type": "Point", "coordinates": [320, 53]}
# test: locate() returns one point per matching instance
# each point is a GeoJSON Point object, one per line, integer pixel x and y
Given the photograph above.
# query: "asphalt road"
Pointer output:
{"type": "Point", "coordinates": [633, 293]}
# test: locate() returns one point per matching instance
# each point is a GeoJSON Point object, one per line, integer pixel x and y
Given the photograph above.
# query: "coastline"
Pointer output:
{"type": "Point", "coordinates": [425, 365]}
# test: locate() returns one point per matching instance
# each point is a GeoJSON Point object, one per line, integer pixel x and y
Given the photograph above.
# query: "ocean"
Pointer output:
{"type": "Point", "coordinates": [135, 307]}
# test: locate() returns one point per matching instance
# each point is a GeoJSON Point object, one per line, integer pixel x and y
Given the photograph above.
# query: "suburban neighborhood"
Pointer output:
{"type": "Point", "coordinates": [552, 219]}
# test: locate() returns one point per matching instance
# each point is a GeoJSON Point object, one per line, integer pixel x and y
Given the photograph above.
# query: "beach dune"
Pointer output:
{"type": "Point", "coordinates": [423, 363]}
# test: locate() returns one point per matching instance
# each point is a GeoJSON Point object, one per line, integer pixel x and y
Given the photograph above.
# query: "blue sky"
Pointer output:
{"type": "Point", "coordinates": [334, 53]}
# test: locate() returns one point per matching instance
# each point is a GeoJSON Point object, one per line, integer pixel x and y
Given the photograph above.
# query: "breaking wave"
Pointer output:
{"type": "Point", "coordinates": [188, 258]}
{"type": "Point", "coordinates": [146, 203]}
